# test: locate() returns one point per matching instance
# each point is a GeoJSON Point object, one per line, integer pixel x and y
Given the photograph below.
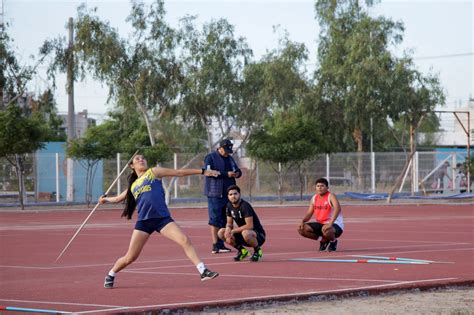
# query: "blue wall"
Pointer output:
{"type": "Point", "coordinates": [46, 174]}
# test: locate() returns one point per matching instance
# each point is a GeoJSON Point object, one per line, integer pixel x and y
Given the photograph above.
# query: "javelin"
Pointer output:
{"type": "Point", "coordinates": [93, 210]}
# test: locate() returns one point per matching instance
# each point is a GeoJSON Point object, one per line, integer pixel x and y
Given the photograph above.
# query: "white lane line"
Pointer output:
{"type": "Point", "coordinates": [58, 303]}
{"type": "Point", "coordinates": [262, 277]}
{"type": "Point", "coordinates": [266, 297]}
{"type": "Point", "coordinates": [368, 251]}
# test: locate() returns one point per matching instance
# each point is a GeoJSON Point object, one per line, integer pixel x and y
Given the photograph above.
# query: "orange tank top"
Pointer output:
{"type": "Point", "coordinates": [322, 208]}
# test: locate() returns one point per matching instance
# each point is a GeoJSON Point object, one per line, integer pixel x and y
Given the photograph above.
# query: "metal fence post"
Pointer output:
{"type": "Point", "coordinates": [118, 173]}
{"type": "Point", "coordinates": [416, 184]}
{"type": "Point", "coordinates": [328, 166]}
{"type": "Point", "coordinates": [372, 170]}
{"type": "Point", "coordinates": [175, 157]}
{"type": "Point", "coordinates": [57, 177]}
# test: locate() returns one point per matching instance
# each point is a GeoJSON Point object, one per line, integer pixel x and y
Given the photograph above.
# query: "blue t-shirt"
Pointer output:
{"type": "Point", "coordinates": [150, 196]}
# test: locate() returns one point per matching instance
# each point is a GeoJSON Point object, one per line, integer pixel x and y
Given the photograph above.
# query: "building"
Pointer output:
{"type": "Point", "coordinates": [82, 122]}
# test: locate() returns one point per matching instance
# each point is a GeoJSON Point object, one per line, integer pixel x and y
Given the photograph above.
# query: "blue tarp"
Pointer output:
{"type": "Point", "coordinates": [380, 196]}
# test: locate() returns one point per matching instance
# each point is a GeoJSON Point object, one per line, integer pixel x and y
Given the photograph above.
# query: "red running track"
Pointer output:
{"type": "Point", "coordinates": [162, 278]}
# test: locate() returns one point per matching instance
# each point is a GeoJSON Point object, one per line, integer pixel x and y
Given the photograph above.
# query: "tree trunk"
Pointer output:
{"type": "Point", "coordinates": [358, 137]}
{"type": "Point", "coordinates": [21, 181]}
{"type": "Point", "coordinates": [148, 125]}
{"type": "Point", "coordinates": [142, 109]}
{"type": "Point", "coordinates": [250, 178]}
{"type": "Point", "coordinates": [301, 178]}
{"type": "Point", "coordinates": [88, 185]}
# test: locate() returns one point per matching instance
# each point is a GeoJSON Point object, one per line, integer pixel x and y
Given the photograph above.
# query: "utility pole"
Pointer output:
{"type": "Point", "coordinates": [71, 124]}
{"type": "Point", "coordinates": [2, 17]}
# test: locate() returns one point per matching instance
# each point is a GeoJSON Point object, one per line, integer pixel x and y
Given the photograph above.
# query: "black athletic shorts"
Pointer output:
{"type": "Point", "coordinates": [318, 228]}
{"type": "Point", "coordinates": [151, 225]}
{"type": "Point", "coordinates": [239, 239]}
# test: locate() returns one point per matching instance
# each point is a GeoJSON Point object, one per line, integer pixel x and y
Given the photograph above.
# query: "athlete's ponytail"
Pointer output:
{"type": "Point", "coordinates": [130, 202]}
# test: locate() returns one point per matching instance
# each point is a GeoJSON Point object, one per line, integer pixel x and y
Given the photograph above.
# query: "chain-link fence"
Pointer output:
{"type": "Point", "coordinates": [45, 176]}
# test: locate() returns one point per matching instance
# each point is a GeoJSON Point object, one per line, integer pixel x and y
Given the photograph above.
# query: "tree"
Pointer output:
{"type": "Point", "coordinates": [141, 71]}
{"type": "Point", "coordinates": [358, 76]}
{"type": "Point", "coordinates": [98, 143]}
{"type": "Point", "coordinates": [276, 95]}
{"type": "Point", "coordinates": [21, 131]}
{"type": "Point", "coordinates": [275, 83]}
{"type": "Point", "coordinates": [19, 136]}
{"type": "Point", "coordinates": [416, 98]}
{"type": "Point", "coordinates": [45, 106]}
{"type": "Point", "coordinates": [213, 60]}
{"type": "Point", "coordinates": [287, 139]}
{"type": "Point", "coordinates": [13, 76]}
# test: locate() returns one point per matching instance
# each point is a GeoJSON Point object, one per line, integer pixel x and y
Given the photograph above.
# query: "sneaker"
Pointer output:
{"type": "Point", "coordinates": [216, 249]}
{"type": "Point", "coordinates": [224, 249]}
{"type": "Point", "coordinates": [257, 255]}
{"type": "Point", "coordinates": [241, 254]}
{"type": "Point", "coordinates": [323, 246]}
{"type": "Point", "coordinates": [208, 275]}
{"type": "Point", "coordinates": [109, 282]}
{"type": "Point", "coordinates": [332, 246]}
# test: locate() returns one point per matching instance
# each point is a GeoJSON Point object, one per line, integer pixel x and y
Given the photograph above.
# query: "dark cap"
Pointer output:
{"type": "Point", "coordinates": [227, 145]}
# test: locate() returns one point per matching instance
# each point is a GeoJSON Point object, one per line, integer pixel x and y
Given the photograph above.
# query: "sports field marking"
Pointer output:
{"type": "Point", "coordinates": [55, 227]}
{"type": "Point", "coordinates": [406, 241]}
{"type": "Point", "coordinates": [422, 251]}
{"type": "Point", "coordinates": [227, 257]}
{"type": "Point", "coordinates": [379, 240]}
{"type": "Point", "coordinates": [58, 303]}
{"type": "Point", "coordinates": [200, 224]}
{"type": "Point", "coordinates": [211, 303]}
{"type": "Point", "coordinates": [261, 277]}
{"type": "Point", "coordinates": [31, 310]}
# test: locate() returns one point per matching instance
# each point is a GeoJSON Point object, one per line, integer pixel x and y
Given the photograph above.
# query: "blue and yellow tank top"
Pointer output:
{"type": "Point", "coordinates": [150, 196]}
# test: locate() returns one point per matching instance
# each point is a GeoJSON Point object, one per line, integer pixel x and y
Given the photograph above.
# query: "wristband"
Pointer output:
{"type": "Point", "coordinates": [202, 171]}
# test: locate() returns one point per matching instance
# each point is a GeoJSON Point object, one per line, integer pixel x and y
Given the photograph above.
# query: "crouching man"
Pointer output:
{"type": "Point", "coordinates": [248, 232]}
{"type": "Point", "coordinates": [327, 213]}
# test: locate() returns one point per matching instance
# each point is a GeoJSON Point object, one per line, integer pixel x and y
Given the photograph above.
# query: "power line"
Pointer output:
{"type": "Point", "coordinates": [445, 56]}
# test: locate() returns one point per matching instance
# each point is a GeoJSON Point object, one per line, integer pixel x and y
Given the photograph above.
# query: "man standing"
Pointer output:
{"type": "Point", "coordinates": [249, 231]}
{"type": "Point", "coordinates": [329, 223]}
{"type": "Point", "coordinates": [216, 189]}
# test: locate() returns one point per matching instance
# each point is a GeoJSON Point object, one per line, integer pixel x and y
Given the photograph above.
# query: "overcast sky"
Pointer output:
{"type": "Point", "coordinates": [440, 34]}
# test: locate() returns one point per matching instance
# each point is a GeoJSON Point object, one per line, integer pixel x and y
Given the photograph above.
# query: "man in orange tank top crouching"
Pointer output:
{"type": "Point", "coordinates": [327, 213]}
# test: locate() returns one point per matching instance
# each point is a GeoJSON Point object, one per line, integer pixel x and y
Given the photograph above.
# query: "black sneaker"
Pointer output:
{"type": "Point", "coordinates": [241, 254]}
{"type": "Point", "coordinates": [216, 249]}
{"type": "Point", "coordinates": [257, 255]}
{"type": "Point", "coordinates": [109, 282]}
{"type": "Point", "coordinates": [208, 275]}
{"type": "Point", "coordinates": [332, 246]}
{"type": "Point", "coordinates": [323, 246]}
{"type": "Point", "coordinates": [224, 249]}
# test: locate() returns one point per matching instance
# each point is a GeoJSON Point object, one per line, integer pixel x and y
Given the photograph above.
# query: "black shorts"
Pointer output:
{"type": "Point", "coordinates": [239, 239]}
{"type": "Point", "coordinates": [318, 228]}
{"type": "Point", "coordinates": [151, 225]}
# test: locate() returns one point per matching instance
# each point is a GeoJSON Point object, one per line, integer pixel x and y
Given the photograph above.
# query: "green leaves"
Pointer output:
{"type": "Point", "coordinates": [287, 137]}
{"type": "Point", "coordinates": [360, 78]}
{"type": "Point", "coordinates": [20, 134]}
